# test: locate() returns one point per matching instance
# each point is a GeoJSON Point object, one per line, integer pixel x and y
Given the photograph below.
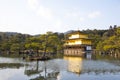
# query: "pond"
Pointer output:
{"type": "Point", "coordinates": [66, 68]}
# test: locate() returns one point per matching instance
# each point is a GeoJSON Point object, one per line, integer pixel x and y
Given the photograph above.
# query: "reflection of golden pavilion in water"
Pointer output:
{"type": "Point", "coordinates": [74, 64]}
{"type": "Point", "coordinates": [77, 44]}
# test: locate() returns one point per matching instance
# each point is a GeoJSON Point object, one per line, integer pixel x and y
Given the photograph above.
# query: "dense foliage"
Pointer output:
{"type": "Point", "coordinates": [107, 41]}
{"type": "Point", "coordinates": [110, 42]}
{"type": "Point", "coordinates": [52, 42]}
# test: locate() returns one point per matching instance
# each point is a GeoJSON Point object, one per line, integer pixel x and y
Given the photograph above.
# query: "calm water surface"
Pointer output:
{"type": "Point", "coordinates": [68, 68]}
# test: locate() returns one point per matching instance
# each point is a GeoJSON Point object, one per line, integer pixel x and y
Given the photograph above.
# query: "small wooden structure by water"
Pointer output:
{"type": "Point", "coordinates": [77, 44]}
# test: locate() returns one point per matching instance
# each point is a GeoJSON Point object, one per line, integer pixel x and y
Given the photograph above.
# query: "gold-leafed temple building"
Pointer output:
{"type": "Point", "coordinates": [77, 44]}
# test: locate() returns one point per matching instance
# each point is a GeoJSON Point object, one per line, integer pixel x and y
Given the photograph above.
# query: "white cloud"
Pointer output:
{"type": "Point", "coordinates": [40, 10]}
{"type": "Point", "coordinates": [94, 14]}
{"type": "Point", "coordinates": [73, 14]}
{"type": "Point", "coordinates": [58, 24]}
{"type": "Point", "coordinates": [82, 19]}
{"type": "Point", "coordinates": [54, 25]}
{"type": "Point", "coordinates": [33, 4]}
{"type": "Point", "coordinates": [45, 12]}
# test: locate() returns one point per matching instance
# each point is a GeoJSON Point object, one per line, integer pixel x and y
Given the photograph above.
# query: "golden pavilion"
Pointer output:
{"type": "Point", "coordinates": [77, 44]}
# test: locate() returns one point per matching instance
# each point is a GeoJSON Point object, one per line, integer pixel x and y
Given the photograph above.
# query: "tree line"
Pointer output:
{"type": "Point", "coordinates": [53, 42]}
{"type": "Point", "coordinates": [107, 41]}
{"type": "Point", "coordinates": [110, 42]}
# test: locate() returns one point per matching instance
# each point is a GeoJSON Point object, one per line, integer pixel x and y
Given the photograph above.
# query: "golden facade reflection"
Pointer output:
{"type": "Point", "coordinates": [74, 64]}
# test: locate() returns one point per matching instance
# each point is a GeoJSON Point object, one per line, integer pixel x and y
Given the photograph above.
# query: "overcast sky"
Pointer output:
{"type": "Point", "coordinates": [40, 16]}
